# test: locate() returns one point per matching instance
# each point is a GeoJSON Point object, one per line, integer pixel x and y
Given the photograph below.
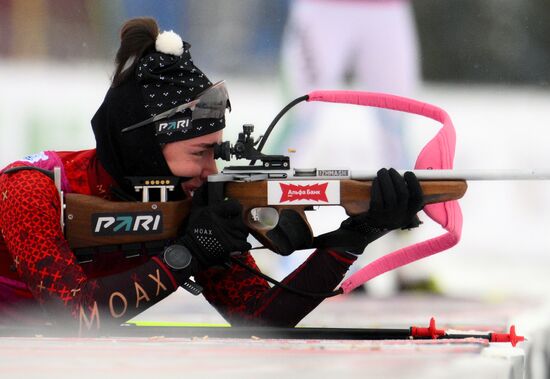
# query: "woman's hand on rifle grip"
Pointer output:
{"type": "Point", "coordinates": [213, 231]}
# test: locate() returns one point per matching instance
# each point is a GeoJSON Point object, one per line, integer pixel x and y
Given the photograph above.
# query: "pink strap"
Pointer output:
{"type": "Point", "coordinates": [437, 154]}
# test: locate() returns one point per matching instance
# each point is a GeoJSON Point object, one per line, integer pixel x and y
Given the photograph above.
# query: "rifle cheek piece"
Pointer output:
{"type": "Point", "coordinates": [290, 234]}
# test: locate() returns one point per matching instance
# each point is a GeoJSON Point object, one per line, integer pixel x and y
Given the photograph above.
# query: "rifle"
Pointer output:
{"type": "Point", "coordinates": [273, 191]}
{"type": "Point", "coordinates": [266, 191]}
{"type": "Point", "coordinates": [92, 222]}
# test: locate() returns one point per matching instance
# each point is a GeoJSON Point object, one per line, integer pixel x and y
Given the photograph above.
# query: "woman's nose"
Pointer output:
{"type": "Point", "coordinates": [209, 169]}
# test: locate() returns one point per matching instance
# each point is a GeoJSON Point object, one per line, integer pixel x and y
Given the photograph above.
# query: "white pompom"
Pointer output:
{"type": "Point", "coordinates": [169, 42]}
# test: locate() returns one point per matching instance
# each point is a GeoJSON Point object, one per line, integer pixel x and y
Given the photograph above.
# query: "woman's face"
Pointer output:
{"type": "Point", "coordinates": [193, 158]}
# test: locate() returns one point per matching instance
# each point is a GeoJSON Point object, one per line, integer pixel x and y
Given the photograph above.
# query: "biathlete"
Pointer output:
{"type": "Point", "coordinates": [41, 281]}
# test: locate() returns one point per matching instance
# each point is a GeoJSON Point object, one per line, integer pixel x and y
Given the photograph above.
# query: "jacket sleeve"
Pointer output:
{"type": "Point", "coordinates": [243, 298]}
{"type": "Point", "coordinates": [29, 221]}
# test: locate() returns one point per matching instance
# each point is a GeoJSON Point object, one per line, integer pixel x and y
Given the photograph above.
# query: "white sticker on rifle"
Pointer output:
{"type": "Point", "coordinates": [303, 192]}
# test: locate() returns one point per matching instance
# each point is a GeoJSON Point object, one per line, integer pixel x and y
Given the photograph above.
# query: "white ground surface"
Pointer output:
{"type": "Point", "coordinates": [496, 276]}
{"type": "Point", "coordinates": [206, 357]}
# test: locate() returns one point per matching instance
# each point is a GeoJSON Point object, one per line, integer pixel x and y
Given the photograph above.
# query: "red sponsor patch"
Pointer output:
{"type": "Point", "coordinates": [294, 192]}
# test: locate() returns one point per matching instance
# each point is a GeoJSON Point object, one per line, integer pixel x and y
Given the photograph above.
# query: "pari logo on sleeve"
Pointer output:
{"type": "Point", "coordinates": [303, 192]}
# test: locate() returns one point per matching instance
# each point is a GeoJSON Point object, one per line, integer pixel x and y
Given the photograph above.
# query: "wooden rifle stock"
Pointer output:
{"type": "Point", "coordinates": [354, 198]}
{"type": "Point", "coordinates": [82, 210]}
{"type": "Point", "coordinates": [122, 223]}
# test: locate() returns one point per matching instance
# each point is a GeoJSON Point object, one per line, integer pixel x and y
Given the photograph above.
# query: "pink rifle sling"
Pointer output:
{"type": "Point", "coordinates": [437, 154]}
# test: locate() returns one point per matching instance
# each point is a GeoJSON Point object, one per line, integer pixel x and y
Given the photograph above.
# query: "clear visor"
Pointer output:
{"type": "Point", "coordinates": [212, 103]}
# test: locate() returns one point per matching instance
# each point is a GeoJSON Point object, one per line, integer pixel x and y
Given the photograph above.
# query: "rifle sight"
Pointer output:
{"type": "Point", "coordinates": [245, 148]}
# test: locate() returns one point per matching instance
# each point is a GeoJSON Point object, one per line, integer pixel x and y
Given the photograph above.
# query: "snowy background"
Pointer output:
{"type": "Point", "coordinates": [505, 246]}
{"type": "Point", "coordinates": [485, 62]}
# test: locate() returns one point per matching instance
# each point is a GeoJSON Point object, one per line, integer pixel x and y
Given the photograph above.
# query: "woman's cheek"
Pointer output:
{"type": "Point", "coordinates": [185, 167]}
{"type": "Point", "coordinates": [192, 169]}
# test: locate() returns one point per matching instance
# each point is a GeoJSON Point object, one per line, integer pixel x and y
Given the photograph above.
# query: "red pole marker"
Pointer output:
{"type": "Point", "coordinates": [511, 337]}
{"type": "Point", "coordinates": [434, 333]}
{"type": "Point", "coordinates": [431, 331]}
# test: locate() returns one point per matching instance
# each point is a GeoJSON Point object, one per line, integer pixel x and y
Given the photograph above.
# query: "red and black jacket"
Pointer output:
{"type": "Point", "coordinates": [41, 280]}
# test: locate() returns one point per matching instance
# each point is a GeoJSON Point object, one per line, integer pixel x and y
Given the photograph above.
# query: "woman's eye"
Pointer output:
{"type": "Point", "coordinates": [204, 153]}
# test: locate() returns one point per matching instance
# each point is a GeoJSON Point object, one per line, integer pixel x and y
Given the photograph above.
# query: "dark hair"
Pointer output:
{"type": "Point", "coordinates": [137, 37]}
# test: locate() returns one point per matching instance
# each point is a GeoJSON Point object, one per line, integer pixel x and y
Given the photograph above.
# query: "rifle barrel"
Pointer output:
{"type": "Point", "coordinates": [465, 174]}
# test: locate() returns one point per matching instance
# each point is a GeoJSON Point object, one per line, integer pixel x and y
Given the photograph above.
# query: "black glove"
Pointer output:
{"type": "Point", "coordinates": [290, 234]}
{"type": "Point", "coordinates": [395, 201]}
{"type": "Point", "coordinates": [214, 231]}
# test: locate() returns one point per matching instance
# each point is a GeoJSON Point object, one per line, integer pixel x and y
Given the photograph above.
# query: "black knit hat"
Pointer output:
{"type": "Point", "coordinates": [163, 78]}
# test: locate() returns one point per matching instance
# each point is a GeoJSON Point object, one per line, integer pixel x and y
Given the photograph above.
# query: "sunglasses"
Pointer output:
{"type": "Point", "coordinates": [211, 103]}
